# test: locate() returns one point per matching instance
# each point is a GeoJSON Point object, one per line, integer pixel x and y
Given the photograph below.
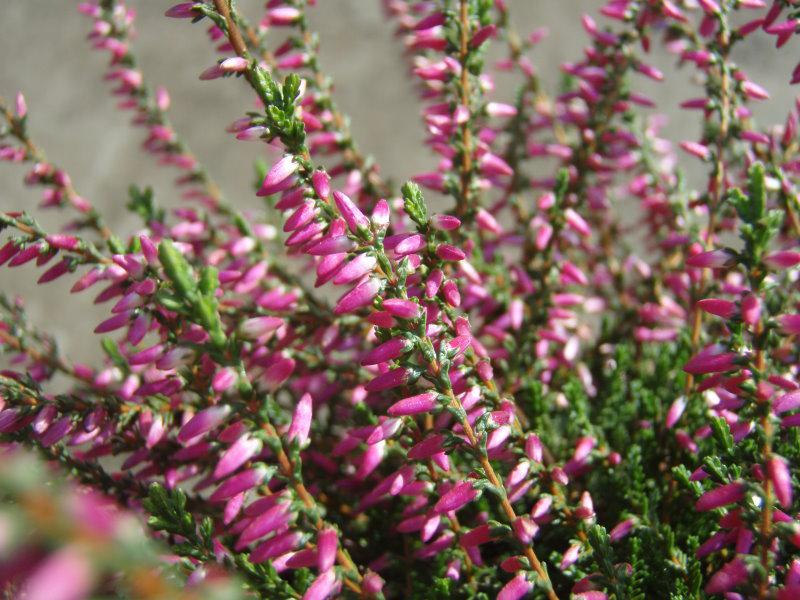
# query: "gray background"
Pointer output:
{"type": "Point", "coordinates": [44, 53]}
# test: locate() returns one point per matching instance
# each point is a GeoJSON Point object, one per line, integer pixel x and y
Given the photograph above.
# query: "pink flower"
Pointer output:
{"type": "Point", "coordinates": [675, 411]}
{"type": "Point", "coordinates": [202, 422]}
{"type": "Point", "coordinates": [265, 523]}
{"type": "Point", "coordinates": [460, 495]}
{"type": "Point", "coordinates": [301, 420]}
{"type": "Point", "coordinates": [517, 588]}
{"type": "Point", "coordinates": [714, 259]}
{"type": "Point", "coordinates": [727, 578]}
{"type": "Point", "coordinates": [359, 296]}
{"type": "Point", "coordinates": [327, 544]}
{"type": "Point", "coordinates": [352, 215]}
{"type": "Point", "coordinates": [234, 457]}
{"type": "Point", "coordinates": [65, 575]}
{"type": "Point", "coordinates": [712, 359]}
{"type": "Point", "coordinates": [715, 306]}
{"type": "Point", "coordinates": [789, 323]}
{"type": "Point", "coordinates": [242, 482]}
{"type": "Point", "coordinates": [322, 586]}
{"type": "Point", "coordinates": [720, 496]}
{"type": "Point", "coordinates": [386, 351]}
{"type": "Point", "coordinates": [414, 405]}
{"type": "Point", "coordinates": [781, 479]}
{"type": "Point", "coordinates": [278, 175]}
{"type": "Point", "coordinates": [405, 309]}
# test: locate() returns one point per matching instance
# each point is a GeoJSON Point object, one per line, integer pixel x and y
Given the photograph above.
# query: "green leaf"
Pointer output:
{"type": "Point", "coordinates": [414, 204]}
{"type": "Point", "coordinates": [177, 268]}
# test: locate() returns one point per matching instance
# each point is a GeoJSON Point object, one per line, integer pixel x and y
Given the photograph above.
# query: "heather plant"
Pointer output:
{"type": "Point", "coordinates": [347, 394]}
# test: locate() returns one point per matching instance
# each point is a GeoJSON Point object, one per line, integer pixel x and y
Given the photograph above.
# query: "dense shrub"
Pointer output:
{"type": "Point", "coordinates": [505, 400]}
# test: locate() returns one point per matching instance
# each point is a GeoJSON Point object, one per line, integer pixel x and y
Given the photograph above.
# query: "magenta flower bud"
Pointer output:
{"type": "Point", "coordinates": [404, 309]}
{"type": "Point", "coordinates": [224, 379]}
{"type": "Point", "coordinates": [621, 529]}
{"type": "Point", "coordinates": [380, 215]}
{"type": "Point", "coordinates": [720, 496]}
{"type": "Point", "coordinates": [113, 323]}
{"type": "Point", "coordinates": [355, 269]}
{"type": "Point", "coordinates": [570, 556]}
{"type": "Point", "coordinates": [426, 448]}
{"type": "Point", "coordinates": [781, 479]}
{"type": "Point", "coordinates": [277, 175]}
{"type": "Point", "coordinates": [275, 546]}
{"type": "Point", "coordinates": [252, 134]}
{"type": "Point", "coordinates": [56, 432]}
{"type": "Point", "coordinates": [373, 583]}
{"type": "Point", "coordinates": [715, 306]}
{"type": "Point", "coordinates": [350, 212]}
{"type": "Point", "coordinates": [332, 245]}
{"type": "Point", "coordinates": [577, 223]}
{"type": "Point", "coordinates": [202, 422]}
{"type": "Point", "coordinates": [322, 587]}
{"type": "Point", "coordinates": [387, 381]}
{"type": "Point", "coordinates": [787, 402]}
{"type": "Point", "coordinates": [410, 244]}
{"type": "Point", "coordinates": [327, 544]}
{"type": "Point", "coordinates": [525, 529]}
{"type": "Point", "coordinates": [460, 495]}
{"type": "Point", "coordinates": [242, 482]}
{"type": "Point", "coordinates": [148, 355]}
{"type": "Point", "coordinates": [386, 351]}
{"type": "Point", "coordinates": [433, 283]}
{"type": "Point", "coordinates": [256, 327]}
{"type": "Point", "coordinates": [585, 508]}
{"type": "Point", "coordinates": [414, 405]}
{"type": "Point", "coordinates": [360, 296]}
{"type": "Point", "coordinates": [445, 222]}
{"type": "Point", "coordinates": [301, 420]}
{"type": "Point", "coordinates": [234, 64]}
{"type": "Point", "coordinates": [487, 222]}
{"type": "Point", "coordinates": [279, 372]}
{"type": "Point", "coordinates": [184, 10]}
{"type": "Point", "coordinates": [272, 519]}
{"type": "Point", "coordinates": [62, 241]}
{"type": "Point", "coordinates": [20, 106]}
{"type": "Point", "coordinates": [714, 259]}
{"type": "Point", "coordinates": [491, 164]}
{"type": "Point", "coordinates": [697, 149]}
{"type": "Point", "coordinates": [751, 309]}
{"type": "Point", "coordinates": [533, 448]}
{"type": "Point", "coordinates": [755, 91]}
{"type": "Point", "coordinates": [234, 457]}
{"type": "Point", "coordinates": [449, 252]}
{"type": "Point", "coordinates": [483, 34]}
{"type": "Point", "coordinates": [301, 217]}
{"type": "Point", "coordinates": [712, 359]}
{"type": "Point", "coordinates": [789, 324]}
{"type": "Point", "coordinates": [499, 109]}
{"type": "Point", "coordinates": [322, 184]}
{"type": "Point", "coordinates": [784, 259]}
{"type": "Point", "coordinates": [728, 577]}
{"type": "Point", "coordinates": [65, 574]}
{"type": "Point", "coordinates": [675, 411]}
{"type": "Point", "coordinates": [517, 588]}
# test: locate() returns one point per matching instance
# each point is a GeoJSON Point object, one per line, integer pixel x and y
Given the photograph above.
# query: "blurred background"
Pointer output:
{"type": "Point", "coordinates": [45, 54]}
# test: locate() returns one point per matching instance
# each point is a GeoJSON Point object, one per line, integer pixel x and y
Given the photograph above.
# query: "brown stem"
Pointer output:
{"type": "Point", "coordinates": [491, 475]}
{"type": "Point", "coordinates": [287, 469]}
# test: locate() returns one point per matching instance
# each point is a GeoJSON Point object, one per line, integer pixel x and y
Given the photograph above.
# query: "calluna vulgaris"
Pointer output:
{"type": "Point", "coordinates": [503, 402]}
